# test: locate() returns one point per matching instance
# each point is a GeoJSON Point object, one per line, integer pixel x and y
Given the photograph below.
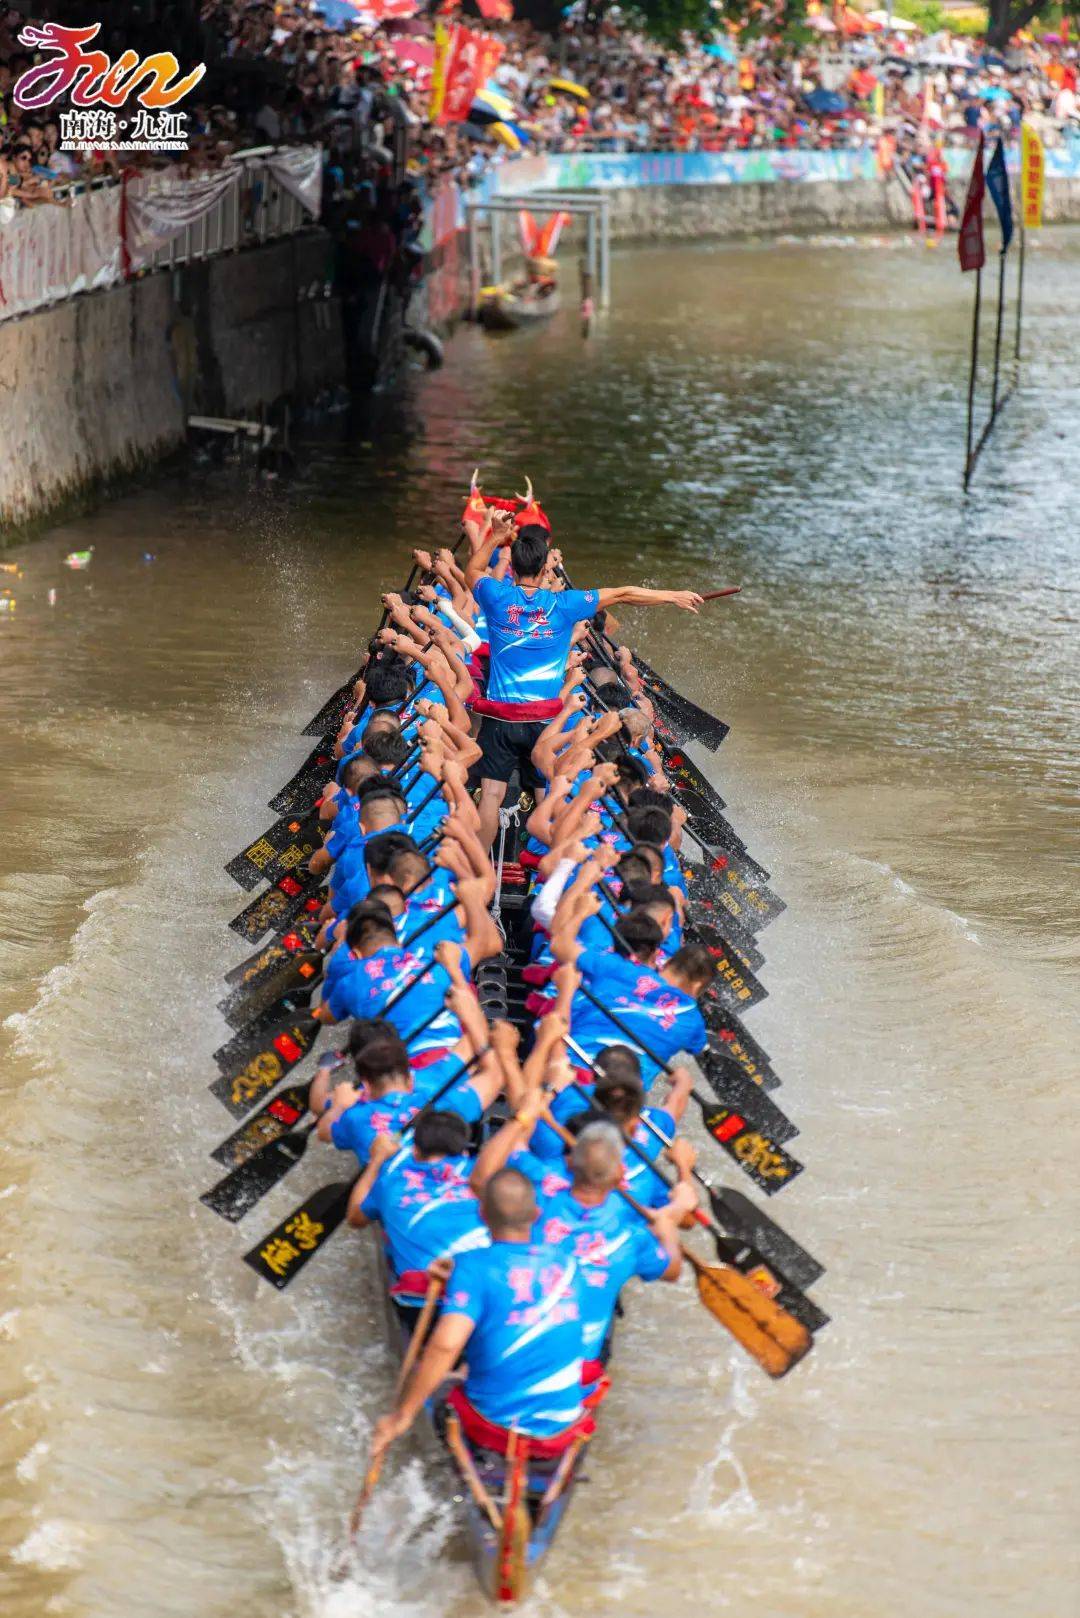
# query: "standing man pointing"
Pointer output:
{"type": "Point", "coordinates": [530, 632]}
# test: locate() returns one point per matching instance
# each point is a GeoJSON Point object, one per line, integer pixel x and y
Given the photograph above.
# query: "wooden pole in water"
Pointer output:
{"type": "Point", "coordinates": [997, 335]}
{"type": "Point", "coordinates": [968, 459]}
{"type": "Point", "coordinates": [1019, 296]}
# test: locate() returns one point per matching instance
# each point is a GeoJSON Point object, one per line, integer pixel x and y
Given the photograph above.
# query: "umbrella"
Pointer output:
{"type": "Point", "coordinates": [720, 48]}
{"type": "Point", "coordinates": [823, 25]}
{"type": "Point", "coordinates": [994, 92]}
{"type": "Point", "coordinates": [569, 88]}
{"type": "Point", "coordinates": [512, 136]}
{"type": "Point", "coordinates": [339, 13]}
{"type": "Point", "coordinates": [826, 102]}
{"type": "Point", "coordinates": [491, 107]}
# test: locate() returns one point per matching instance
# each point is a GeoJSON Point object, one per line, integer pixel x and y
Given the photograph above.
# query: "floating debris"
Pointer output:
{"type": "Point", "coordinates": [78, 559]}
{"type": "Point", "coordinates": [11, 567]}
{"type": "Point", "coordinates": [52, 598]}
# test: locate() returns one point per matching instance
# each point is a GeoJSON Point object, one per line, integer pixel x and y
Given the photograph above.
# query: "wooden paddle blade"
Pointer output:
{"type": "Point", "coordinates": [758, 1324]}
{"type": "Point", "coordinates": [331, 716]}
{"type": "Point", "coordinates": [239, 1191]}
{"type": "Point", "coordinates": [273, 854]}
{"type": "Point", "coordinates": [727, 1035]}
{"type": "Point", "coordinates": [743, 1219]}
{"type": "Point", "coordinates": [277, 908]}
{"type": "Point", "coordinates": [762, 1159]}
{"type": "Point", "coordinates": [272, 1121]}
{"type": "Point", "coordinates": [259, 1067]}
{"type": "Point", "coordinates": [298, 795]}
{"type": "Point", "coordinates": [291, 975]}
{"type": "Point", "coordinates": [284, 1251]}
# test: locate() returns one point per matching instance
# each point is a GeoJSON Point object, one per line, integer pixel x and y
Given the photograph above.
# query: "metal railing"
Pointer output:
{"type": "Point", "coordinates": [255, 210]}
{"type": "Point", "coordinates": [258, 210]}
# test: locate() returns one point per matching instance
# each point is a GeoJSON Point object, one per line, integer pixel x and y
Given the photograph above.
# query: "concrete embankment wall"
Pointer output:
{"type": "Point", "coordinates": [96, 386]}
{"type": "Point", "coordinates": [693, 212]}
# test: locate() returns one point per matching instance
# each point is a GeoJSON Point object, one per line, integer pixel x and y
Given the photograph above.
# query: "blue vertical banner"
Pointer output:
{"type": "Point", "coordinates": [997, 183]}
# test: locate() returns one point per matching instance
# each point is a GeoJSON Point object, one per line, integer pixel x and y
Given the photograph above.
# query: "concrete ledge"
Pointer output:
{"type": "Point", "coordinates": [94, 388]}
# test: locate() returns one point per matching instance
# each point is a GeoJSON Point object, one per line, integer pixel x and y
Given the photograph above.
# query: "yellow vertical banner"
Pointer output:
{"type": "Point", "coordinates": [444, 33]}
{"type": "Point", "coordinates": [877, 104]}
{"type": "Point", "coordinates": [1032, 176]}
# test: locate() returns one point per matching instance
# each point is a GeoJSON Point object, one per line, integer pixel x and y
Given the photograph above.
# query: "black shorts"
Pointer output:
{"type": "Point", "coordinates": [507, 746]}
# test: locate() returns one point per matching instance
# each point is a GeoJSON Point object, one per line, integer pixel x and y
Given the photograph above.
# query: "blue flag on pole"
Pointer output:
{"type": "Point", "coordinates": [997, 183]}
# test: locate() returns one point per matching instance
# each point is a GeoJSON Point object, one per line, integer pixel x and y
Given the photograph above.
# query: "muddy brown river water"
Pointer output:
{"type": "Point", "coordinates": [901, 677]}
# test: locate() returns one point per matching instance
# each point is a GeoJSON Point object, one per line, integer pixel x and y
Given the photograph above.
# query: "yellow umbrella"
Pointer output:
{"type": "Point", "coordinates": [508, 136]}
{"type": "Point", "coordinates": [569, 88]}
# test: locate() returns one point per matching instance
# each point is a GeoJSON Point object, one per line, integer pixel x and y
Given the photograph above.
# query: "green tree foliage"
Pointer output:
{"type": "Point", "coordinates": [1007, 16]}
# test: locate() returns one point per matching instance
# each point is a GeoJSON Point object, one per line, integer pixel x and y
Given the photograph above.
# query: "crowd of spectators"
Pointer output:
{"type": "Point", "coordinates": [302, 70]}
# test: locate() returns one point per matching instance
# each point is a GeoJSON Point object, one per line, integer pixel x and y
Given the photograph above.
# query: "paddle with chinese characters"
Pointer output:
{"type": "Point", "coordinates": [285, 1250]}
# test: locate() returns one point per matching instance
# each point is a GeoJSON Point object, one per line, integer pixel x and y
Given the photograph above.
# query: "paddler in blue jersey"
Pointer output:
{"type": "Point", "coordinates": [530, 628]}
{"type": "Point", "coordinates": [515, 1312]}
{"type": "Point", "coordinates": [419, 1195]}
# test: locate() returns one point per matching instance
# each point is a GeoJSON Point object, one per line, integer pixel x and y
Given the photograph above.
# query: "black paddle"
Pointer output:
{"type": "Point", "coordinates": [741, 1217]}
{"type": "Point", "coordinates": [299, 794]}
{"type": "Point", "coordinates": [258, 1062]}
{"type": "Point", "coordinates": [766, 1162]}
{"type": "Point", "coordinates": [292, 975]}
{"type": "Point", "coordinates": [331, 716]}
{"type": "Point", "coordinates": [284, 1251]}
{"type": "Point", "coordinates": [278, 907]}
{"type": "Point", "coordinates": [726, 879]}
{"type": "Point", "coordinates": [292, 940]}
{"type": "Point", "coordinates": [272, 1120]}
{"type": "Point", "coordinates": [279, 850]}
{"type": "Point", "coordinates": [257, 1172]}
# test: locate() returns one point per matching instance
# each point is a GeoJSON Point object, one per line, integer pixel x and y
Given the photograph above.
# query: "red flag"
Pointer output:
{"type": "Point", "coordinates": [970, 245]}
{"type": "Point", "coordinates": [472, 60]}
{"type": "Point", "coordinates": [496, 10]}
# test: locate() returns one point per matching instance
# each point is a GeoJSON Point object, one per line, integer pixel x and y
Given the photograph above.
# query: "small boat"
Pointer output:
{"type": "Point", "coordinates": [510, 308]}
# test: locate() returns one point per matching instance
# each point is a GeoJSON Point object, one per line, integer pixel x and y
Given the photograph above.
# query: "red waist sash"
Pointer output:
{"type": "Point", "coordinates": [486, 1435]}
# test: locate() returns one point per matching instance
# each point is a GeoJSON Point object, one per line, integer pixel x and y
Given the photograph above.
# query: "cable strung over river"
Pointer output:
{"type": "Point", "coordinates": [504, 883]}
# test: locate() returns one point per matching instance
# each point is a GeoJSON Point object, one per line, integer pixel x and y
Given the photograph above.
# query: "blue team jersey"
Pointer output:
{"type": "Point", "coordinates": [364, 988]}
{"type": "Point", "coordinates": [426, 1209]}
{"type": "Point", "coordinates": [525, 1351]}
{"type": "Point", "coordinates": [389, 1114]}
{"type": "Point", "coordinates": [530, 633]}
{"type": "Point", "coordinates": [345, 827]}
{"type": "Point", "coordinates": [668, 1020]}
{"type": "Point", "coordinates": [420, 823]}
{"type": "Point", "coordinates": [428, 901]}
{"type": "Point", "coordinates": [349, 880]}
{"type": "Point", "coordinates": [611, 1243]}
{"type": "Point", "coordinates": [355, 1130]}
{"type": "Point", "coordinates": [546, 1149]}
